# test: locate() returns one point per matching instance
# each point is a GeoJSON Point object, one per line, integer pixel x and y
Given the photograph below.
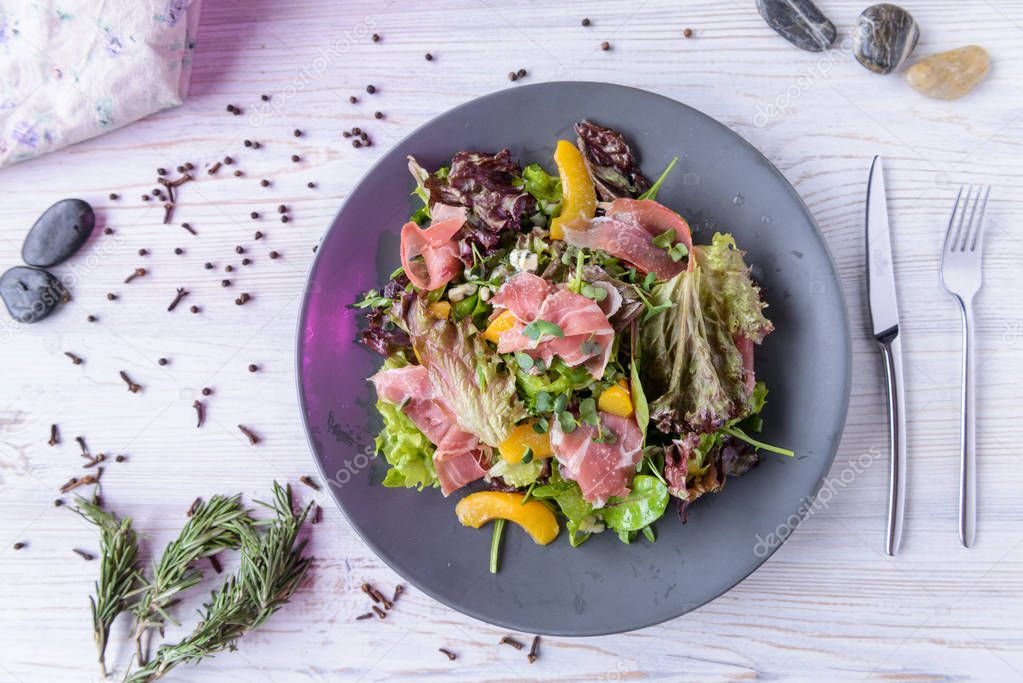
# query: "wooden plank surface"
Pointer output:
{"type": "Point", "coordinates": [827, 606]}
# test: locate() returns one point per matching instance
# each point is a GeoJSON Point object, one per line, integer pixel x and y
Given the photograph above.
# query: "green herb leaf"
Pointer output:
{"type": "Point", "coordinates": [539, 328]}
{"type": "Point", "coordinates": [665, 240]}
{"type": "Point", "coordinates": [495, 545]}
{"type": "Point", "coordinates": [524, 360]}
{"type": "Point", "coordinates": [544, 402]}
{"type": "Point", "coordinates": [739, 434]}
{"type": "Point", "coordinates": [645, 504]}
{"type": "Point", "coordinates": [588, 412]}
{"type": "Point", "coordinates": [677, 252]}
{"type": "Point", "coordinates": [639, 402]}
{"type": "Point", "coordinates": [656, 187]}
{"type": "Point", "coordinates": [527, 455]}
{"type": "Point", "coordinates": [373, 299]}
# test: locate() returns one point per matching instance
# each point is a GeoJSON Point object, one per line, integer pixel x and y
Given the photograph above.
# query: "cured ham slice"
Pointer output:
{"type": "Point", "coordinates": [587, 333]}
{"type": "Point", "coordinates": [456, 470]}
{"type": "Point", "coordinates": [430, 256]}
{"type": "Point", "coordinates": [459, 458]}
{"type": "Point", "coordinates": [745, 347]}
{"type": "Point", "coordinates": [602, 470]}
{"type": "Point", "coordinates": [627, 231]}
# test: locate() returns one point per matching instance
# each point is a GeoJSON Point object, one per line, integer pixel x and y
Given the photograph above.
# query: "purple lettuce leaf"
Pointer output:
{"type": "Point", "coordinates": [611, 162]}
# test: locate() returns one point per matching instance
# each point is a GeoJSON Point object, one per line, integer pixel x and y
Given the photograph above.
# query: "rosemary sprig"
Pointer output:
{"type": "Point", "coordinates": [272, 566]}
{"type": "Point", "coordinates": [118, 571]}
{"type": "Point", "coordinates": [214, 526]}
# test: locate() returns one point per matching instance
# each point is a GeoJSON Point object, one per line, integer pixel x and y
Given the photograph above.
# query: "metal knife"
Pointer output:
{"type": "Point", "coordinates": [884, 316]}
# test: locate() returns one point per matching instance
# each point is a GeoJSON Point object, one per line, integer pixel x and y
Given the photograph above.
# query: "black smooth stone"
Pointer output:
{"type": "Point", "coordinates": [30, 294]}
{"type": "Point", "coordinates": [799, 22]}
{"type": "Point", "coordinates": [58, 233]}
{"type": "Point", "coordinates": [885, 37]}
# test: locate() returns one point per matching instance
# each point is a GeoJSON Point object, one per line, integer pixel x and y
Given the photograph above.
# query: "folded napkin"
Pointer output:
{"type": "Point", "coordinates": [74, 69]}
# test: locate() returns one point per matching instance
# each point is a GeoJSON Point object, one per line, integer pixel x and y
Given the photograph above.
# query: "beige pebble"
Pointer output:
{"type": "Point", "coordinates": [950, 75]}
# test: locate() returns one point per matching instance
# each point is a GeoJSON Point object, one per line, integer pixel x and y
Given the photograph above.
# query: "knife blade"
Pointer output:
{"type": "Point", "coordinates": [884, 317]}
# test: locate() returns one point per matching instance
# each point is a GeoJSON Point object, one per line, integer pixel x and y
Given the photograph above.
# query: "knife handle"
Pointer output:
{"type": "Point", "coordinates": [891, 351]}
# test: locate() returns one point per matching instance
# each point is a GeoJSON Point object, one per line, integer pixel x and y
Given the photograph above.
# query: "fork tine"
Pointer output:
{"type": "Point", "coordinates": [951, 221]}
{"type": "Point", "coordinates": [969, 223]}
{"type": "Point", "coordinates": [978, 234]}
{"type": "Point", "coordinates": [955, 228]}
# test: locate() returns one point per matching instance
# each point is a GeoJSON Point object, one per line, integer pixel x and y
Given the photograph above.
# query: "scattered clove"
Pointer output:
{"type": "Point", "coordinates": [508, 640]}
{"type": "Point", "coordinates": [182, 293]}
{"type": "Point", "coordinates": [447, 653]}
{"type": "Point", "coordinates": [54, 436]}
{"type": "Point", "coordinates": [74, 359]}
{"type": "Point", "coordinates": [87, 556]}
{"type": "Point", "coordinates": [534, 650]}
{"type": "Point", "coordinates": [253, 439]}
{"type": "Point", "coordinates": [138, 272]}
{"type": "Point", "coordinates": [200, 413]}
{"type": "Point", "coordinates": [310, 482]}
{"type": "Point", "coordinates": [132, 386]}
{"type": "Point", "coordinates": [193, 507]}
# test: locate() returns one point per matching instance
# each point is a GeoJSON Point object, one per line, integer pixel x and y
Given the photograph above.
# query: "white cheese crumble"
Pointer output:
{"type": "Point", "coordinates": [523, 260]}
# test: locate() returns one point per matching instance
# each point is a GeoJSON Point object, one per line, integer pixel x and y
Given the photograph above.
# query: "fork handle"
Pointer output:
{"type": "Point", "coordinates": [967, 435]}
{"type": "Point", "coordinates": [891, 351]}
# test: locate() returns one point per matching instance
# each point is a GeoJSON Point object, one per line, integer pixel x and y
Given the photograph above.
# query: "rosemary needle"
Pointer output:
{"type": "Point", "coordinates": [213, 526]}
{"type": "Point", "coordinates": [118, 571]}
{"type": "Point", "coordinates": [272, 566]}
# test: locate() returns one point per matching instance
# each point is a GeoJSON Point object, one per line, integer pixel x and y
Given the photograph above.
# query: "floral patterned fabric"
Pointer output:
{"type": "Point", "coordinates": [74, 69]}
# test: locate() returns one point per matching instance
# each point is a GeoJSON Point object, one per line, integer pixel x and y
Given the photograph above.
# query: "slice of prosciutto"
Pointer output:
{"type": "Point", "coordinates": [627, 230]}
{"type": "Point", "coordinates": [745, 348]}
{"type": "Point", "coordinates": [602, 470]}
{"type": "Point", "coordinates": [430, 255]}
{"type": "Point", "coordinates": [459, 458]}
{"type": "Point", "coordinates": [455, 470]}
{"type": "Point", "coordinates": [587, 333]}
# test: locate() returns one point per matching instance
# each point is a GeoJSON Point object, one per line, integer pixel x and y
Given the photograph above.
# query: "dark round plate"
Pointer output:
{"type": "Point", "coordinates": [721, 183]}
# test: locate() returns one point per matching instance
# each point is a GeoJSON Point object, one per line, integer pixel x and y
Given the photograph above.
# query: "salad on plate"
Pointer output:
{"type": "Point", "coordinates": [560, 339]}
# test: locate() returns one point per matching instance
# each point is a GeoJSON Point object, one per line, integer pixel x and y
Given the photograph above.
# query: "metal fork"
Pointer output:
{"type": "Point", "coordinates": [961, 274]}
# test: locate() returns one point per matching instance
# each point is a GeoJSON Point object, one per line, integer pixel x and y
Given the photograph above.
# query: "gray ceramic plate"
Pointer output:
{"type": "Point", "coordinates": [721, 183]}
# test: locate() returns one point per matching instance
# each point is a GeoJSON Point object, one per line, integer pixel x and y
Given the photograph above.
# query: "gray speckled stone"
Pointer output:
{"type": "Point", "coordinates": [884, 38]}
{"type": "Point", "coordinates": [799, 22]}
{"type": "Point", "coordinates": [30, 294]}
{"type": "Point", "coordinates": [58, 233]}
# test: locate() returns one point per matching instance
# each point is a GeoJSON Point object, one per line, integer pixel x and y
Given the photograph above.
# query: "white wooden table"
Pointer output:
{"type": "Point", "coordinates": [829, 605]}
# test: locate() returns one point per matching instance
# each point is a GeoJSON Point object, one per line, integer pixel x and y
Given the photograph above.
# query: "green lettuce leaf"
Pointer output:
{"type": "Point", "coordinates": [546, 189]}
{"type": "Point", "coordinates": [581, 519]}
{"type": "Point", "coordinates": [729, 291]}
{"type": "Point", "coordinates": [407, 450]}
{"type": "Point", "coordinates": [695, 370]}
{"type": "Point", "coordinates": [645, 504]}
{"type": "Point", "coordinates": [517, 474]}
{"type": "Point", "coordinates": [466, 375]}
